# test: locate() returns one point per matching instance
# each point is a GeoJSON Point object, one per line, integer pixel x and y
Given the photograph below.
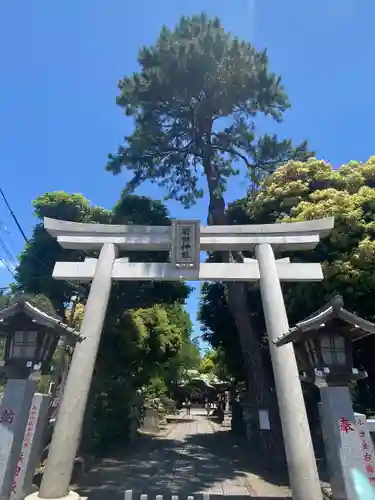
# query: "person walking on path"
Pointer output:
{"type": "Point", "coordinates": [188, 406]}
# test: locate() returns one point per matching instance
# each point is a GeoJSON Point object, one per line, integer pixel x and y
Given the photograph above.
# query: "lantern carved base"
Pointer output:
{"type": "Point", "coordinates": [72, 495]}
{"type": "Point", "coordinates": [333, 379]}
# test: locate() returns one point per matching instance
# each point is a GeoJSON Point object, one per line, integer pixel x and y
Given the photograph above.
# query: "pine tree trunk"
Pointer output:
{"type": "Point", "coordinates": [260, 393]}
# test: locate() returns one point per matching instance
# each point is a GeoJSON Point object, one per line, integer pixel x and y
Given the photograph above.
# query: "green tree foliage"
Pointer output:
{"type": "Point", "coordinates": [74, 315]}
{"type": "Point", "coordinates": [153, 339]}
{"type": "Point", "coordinates": [135, 349]}
{"type": "Point", "coordinates": [188, 357]}
{"type": "Point", "coordinates": [4, 300]}
{"type": "Point", "coordinates": [41, 302]}
{"type": "Point", "coordinates": [146, 326]}
{"type": "Point", "coordinates": [219, 329]}
{"type": "Point", "coordinates": [194, 103]}
{"type": "Point", "coordinates": [207, 363]}
{"type": "Point", "coordinates": [156, 389]}
{"type": "Point", "coordinates": [312, 190]}
{"type": "Point", "coordinates": [214, 362]}
{"type": "Point", "coordinates": [193, 78]}
{"type": "Point", "coordinates": [34, 273]}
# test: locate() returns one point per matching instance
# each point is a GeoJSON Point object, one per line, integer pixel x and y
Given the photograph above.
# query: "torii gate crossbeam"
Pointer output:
{"type": "Point", "coordinates": [160, 271]}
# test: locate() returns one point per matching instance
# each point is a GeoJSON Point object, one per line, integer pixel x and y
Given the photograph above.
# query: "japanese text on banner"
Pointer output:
{"type": "Point", "coordinates": [367, 447]}
{"type": "Point", "coordinates": [30, 429]}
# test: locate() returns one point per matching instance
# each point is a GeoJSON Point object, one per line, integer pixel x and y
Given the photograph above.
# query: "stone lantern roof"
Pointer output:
{"type": "Point", "coordinates": [345, 322]}
{"type": "Point", "coordinates": [22, 306]}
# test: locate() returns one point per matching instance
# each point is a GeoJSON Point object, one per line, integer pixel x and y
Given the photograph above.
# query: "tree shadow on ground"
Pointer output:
{"type": "Point", "coordinates": [238, 450]}
{"type": "Point", "coordinates": [163, 466]}
{"type": "Point", "coordinates": [244, 459]}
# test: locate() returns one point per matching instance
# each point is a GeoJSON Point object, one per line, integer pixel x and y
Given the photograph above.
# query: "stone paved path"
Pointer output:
{"type": "Point", "coordinates": [190, 459]}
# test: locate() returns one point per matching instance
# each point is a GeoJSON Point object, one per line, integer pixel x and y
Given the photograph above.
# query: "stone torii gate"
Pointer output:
{"type": "Point", "coordinates": [184, 240]}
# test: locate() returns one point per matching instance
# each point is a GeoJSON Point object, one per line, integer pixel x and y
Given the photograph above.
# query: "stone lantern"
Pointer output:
{"type": "Point", "coordinates": [323, 345]}
{"type": "Point", "coordinates": [30, 337]}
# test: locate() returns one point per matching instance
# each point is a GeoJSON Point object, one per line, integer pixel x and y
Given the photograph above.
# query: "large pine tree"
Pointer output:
{"type": "Point", "coordinates": [194, 102]}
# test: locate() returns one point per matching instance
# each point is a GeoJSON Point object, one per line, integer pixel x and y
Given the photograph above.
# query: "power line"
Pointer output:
{"type": "Point", "coordinates": [76, 286]}
{"type": "Point", "coordinates": [8, 254]}
{"type": "Point", "coordinates": [5, 230]}
{"type": "Point", "coordinates": [13, 215]}
{"type": "Point", "coordinates": [7, 267]}
{"type": "Point", "coordinates": [9, 261]}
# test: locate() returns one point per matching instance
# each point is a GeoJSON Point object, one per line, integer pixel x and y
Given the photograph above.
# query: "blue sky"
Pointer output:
{"type": "Point", "coordinates": [61, 61]}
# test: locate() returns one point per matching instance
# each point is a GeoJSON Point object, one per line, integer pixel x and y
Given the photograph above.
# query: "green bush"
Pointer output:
{"type": "Point", "coordinates": [155, 389]}
{"type": "Point", "coordinates": [168, 404]}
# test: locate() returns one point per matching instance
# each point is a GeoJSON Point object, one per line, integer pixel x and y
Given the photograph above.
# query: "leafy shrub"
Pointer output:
{"type": "Point", "coordinates": [168, 404]}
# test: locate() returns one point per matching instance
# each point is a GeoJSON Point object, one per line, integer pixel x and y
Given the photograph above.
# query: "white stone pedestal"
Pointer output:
{"type": "Point", "coordinates": [341, 440]}
{"type": "Point", "coordinates": [31, 447]}
{"type": "Point", "coordinates": [14, 414]}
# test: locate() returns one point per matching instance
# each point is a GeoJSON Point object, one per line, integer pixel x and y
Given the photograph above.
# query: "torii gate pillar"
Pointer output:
{"type": "Point", "coordinates": [296, 431]}
{"type": "Point", "coordinates": [66, 435]}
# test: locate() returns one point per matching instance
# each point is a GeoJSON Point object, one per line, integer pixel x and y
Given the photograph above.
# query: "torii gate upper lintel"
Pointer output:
{"type": "Point", "coordinates": [78, 235]}
{"type": "Point", "coordinates": [302, 235]}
